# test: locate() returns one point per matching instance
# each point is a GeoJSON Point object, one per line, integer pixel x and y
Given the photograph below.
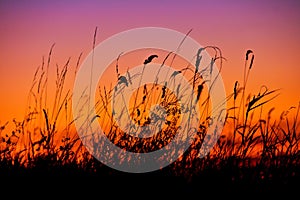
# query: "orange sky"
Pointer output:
{"type": "Point", "coordinates": [270, 28]}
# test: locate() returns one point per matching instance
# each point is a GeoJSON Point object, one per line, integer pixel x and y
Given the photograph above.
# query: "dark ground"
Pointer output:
{"type": "Point", "coordinates": [110, 184]}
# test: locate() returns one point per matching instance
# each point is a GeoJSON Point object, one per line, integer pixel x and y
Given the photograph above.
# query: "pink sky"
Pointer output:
{"type": "Point", "coordinates": [270, 28]}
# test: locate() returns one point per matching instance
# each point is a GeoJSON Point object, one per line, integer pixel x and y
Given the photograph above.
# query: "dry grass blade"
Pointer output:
{"type": "Point", "coordinates": [150, 58]}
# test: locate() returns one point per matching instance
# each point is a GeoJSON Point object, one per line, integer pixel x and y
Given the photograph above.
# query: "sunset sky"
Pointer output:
{"type": "Point", "coordinates": [270, 28]}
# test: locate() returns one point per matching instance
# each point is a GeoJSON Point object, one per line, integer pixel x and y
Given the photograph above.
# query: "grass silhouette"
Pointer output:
{"type": "Point", "coordinates": [255, 153]}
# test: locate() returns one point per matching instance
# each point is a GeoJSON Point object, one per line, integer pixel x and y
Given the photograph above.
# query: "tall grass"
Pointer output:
{"type": "Point", "coordinates": [252, 139]}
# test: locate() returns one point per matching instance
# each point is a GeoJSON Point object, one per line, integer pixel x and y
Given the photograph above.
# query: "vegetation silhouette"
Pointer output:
{"type": "Point", "coordinates": [256, 154]}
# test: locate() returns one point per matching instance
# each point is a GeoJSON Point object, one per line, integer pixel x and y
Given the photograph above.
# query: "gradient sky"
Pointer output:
{"type": "Point", "coordinates": [270, 28]}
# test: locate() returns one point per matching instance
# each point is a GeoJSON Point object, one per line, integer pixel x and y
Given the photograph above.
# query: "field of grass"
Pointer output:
{"type": "Point", "coordinates": [255, 153]}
